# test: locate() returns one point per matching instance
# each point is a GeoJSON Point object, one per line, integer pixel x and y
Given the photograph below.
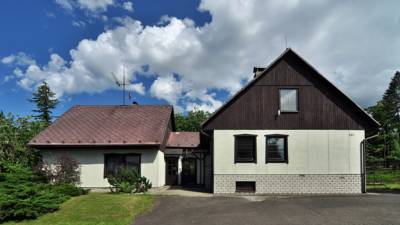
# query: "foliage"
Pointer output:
{"type": "Point", "coordinates": [128, 180]}
{"type": "Point", "coordinates": [45, 102]}
{"type": "Point", "coordinates": [387, 112]}
{"type": "Point", "coordinates": [66, 171]}
{"type": "Point", "coordinates": [70, 190]}
{"type": "Point", "coordinates": [24, 196]}
{"type": "Point", "coordinates": [15, 133]}
{"type": "Point", "coordinates": [96, 208]}
{"type": "Point", "coordinates": [191, 122]}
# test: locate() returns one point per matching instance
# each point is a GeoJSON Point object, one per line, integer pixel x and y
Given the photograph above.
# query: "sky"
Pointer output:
{"type": "Point", "coordinates": [193, 54]}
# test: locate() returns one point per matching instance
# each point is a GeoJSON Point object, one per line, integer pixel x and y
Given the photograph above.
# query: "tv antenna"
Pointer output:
{"type": "Point", "coordinates": [122, 84]}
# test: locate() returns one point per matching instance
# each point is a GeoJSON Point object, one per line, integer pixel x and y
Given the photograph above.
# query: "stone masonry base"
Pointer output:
{"type": "Point", "coordinates": [291, 183]}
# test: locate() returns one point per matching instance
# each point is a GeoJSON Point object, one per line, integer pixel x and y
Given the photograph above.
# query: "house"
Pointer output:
{"type": "Point", "coordinates": [289, 130]}
{"type": "Point", "coordinates": [104, 138]}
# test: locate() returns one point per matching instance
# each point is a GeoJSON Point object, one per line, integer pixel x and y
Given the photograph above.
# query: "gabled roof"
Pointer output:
{"type": "Point", "coordinates": [288, 52]}
{"type": "Point", "coordinates": [183, 140]}
{"type": "Point", "coordinates": [107, 126]}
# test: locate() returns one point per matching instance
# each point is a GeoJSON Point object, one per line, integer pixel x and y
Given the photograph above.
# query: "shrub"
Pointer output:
{"type": "Point", "coordinates": [70, 190]}
{"type": "Point", "coordinates": [128, 180]}
{"type": "Point", "coordinates": [66, 171]}
{"type": "Point", "coordinates": [24, 195]}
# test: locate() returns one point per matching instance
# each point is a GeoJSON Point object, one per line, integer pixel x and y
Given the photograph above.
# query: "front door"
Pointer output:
{"type": "Point", "coordinates": [188, 171]}
{"type": "Point", "coordinates": [171, 170]}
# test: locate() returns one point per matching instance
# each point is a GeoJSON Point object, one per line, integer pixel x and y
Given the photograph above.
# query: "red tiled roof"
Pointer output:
{"type": "Point", "coordinates": [107, 125]}
{"type": "Point", "coordinates": [184, 139]}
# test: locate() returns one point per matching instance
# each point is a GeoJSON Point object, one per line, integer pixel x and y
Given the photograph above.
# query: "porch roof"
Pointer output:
{"type": "Point", "coordinates": [183, 140]}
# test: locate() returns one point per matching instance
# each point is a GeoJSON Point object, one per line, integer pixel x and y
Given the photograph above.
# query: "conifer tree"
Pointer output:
{"type": "Point", "coordinates": [45, 102]}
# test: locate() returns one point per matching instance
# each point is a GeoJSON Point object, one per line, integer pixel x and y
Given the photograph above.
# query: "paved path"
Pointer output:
{"type": "Point", "coordinates": [360, 209]}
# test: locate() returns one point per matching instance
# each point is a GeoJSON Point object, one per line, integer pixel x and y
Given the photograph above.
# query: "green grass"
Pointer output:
{"type": "Point", "coordinates": [384, 176]}
{"type": "Point", "coordinates": [383, 179]}
{"type": "Point", "coordinates": [96, 209]}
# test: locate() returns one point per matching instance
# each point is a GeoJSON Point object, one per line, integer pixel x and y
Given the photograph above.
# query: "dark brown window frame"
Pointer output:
{"type": "Point", "coordinates": [255, 148]}
{"type": "Point", "coordinates": [297, 99]}
{"type": "Point", "coordinates": [286, 154]}
{"type": "Point", "coordinates": [251, 184]}
{"type": "Point", "coordinates": [105, 175]}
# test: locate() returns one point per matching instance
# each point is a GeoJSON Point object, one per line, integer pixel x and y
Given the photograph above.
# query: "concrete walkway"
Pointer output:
{"type": "Point", "coordinates": [327, 210]}
{"type": "Point", "coordinates": [180, 191]}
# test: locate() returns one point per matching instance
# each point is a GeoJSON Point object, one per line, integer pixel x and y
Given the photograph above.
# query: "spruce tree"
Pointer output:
{"type": "Point", "coordinates": [45, 102]}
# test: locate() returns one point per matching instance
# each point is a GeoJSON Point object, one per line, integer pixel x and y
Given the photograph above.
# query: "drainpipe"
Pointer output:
{"type": "Point", "coordinates": [363, 164]}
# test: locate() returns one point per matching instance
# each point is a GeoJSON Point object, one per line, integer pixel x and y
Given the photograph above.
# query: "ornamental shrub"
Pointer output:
{"type": "Point", "coordinates": [128, 180]}
{"type": "Point", "coordinates": [24, 195]}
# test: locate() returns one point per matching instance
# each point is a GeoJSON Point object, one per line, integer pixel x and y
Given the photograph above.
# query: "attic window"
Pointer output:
{"type": "Point", "coordinates": [288, 100]}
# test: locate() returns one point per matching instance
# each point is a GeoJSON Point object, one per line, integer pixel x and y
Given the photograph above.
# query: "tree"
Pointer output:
{"type": "Point", "coordinates": [387, 112]}
{"type": "Point", "coordinates": [45, 101]}
{"type": "Point", "coordinates": [15, 134]}
{"type": "Point", "coordinates": [191, 122]}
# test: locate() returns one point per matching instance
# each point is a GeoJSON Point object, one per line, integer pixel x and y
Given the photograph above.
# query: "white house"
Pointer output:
{"type": "Point", "coordinates": [289, 131]}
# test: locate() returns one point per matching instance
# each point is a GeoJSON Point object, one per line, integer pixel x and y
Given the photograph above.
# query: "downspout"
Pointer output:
{"type": "Point", "coordinates": [363, 165]}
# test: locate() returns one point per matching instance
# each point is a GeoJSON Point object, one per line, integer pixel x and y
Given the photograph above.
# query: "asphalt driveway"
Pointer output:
{"type": "Point", "coordinates": [358, 209]}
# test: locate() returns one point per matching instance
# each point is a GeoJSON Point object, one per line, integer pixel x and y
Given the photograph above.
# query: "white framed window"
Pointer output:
{"type": "Point", "coordinates": [288, 100]}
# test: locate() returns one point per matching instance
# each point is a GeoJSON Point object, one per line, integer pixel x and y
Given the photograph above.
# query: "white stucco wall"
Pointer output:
{"type": "Point", "coordinates": [309, 152]}
{"type": "Point", "coordinates": [92, 164]}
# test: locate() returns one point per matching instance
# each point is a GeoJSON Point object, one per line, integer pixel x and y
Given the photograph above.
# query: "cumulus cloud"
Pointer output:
{"type": "Point", "coordinates": [128, 6]}
{"type": "Point", "coordinates": [354, 44]}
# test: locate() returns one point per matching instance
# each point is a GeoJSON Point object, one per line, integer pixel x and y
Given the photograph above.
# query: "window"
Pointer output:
{"type": "Point", "coordinates": [288, 100]}
{"type": "Point", "coordinates": [245, 148]}
{"type": "Point", "coordinates": [245, 186]}
{"type": "Point", "coordinates": [276, 151]}
{"type": "Point", "coordinates": [113, 162]}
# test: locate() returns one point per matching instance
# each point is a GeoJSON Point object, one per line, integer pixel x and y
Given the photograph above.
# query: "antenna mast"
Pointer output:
{"type": "Point", "coordinates": [123, 83]}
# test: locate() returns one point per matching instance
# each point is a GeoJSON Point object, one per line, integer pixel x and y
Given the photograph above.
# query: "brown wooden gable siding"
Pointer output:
{"type": "Point", "coordinates": [320, 107]}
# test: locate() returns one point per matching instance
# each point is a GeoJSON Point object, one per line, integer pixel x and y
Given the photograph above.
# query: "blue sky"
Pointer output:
{"type": "Point", "coordinates": [188, 53]}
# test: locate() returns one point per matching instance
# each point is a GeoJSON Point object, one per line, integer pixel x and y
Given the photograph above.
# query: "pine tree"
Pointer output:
{"type": "Point", "coordinates": [391, 105]}
{"type": "Point", "coordinates": [45, 101]}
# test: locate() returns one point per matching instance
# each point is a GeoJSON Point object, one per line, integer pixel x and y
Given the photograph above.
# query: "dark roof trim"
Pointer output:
{"type": "Point", "coordinates": [268, 68]}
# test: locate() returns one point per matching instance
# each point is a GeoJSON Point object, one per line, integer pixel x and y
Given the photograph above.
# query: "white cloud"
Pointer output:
{"type": "Point", "coordinates": [19, 59]}
{"type": "Point", "coordinates": [128, 6]}
{"type": "Point", "coordinates": [79, 24]}
{"type": "Point", "coordinates": [354, 44]}
{"type": "Point", "coordinates": [91, 6]}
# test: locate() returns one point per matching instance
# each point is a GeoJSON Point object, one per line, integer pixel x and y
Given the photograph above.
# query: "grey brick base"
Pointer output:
{"type": "Point", "coordinates": [291, 183]}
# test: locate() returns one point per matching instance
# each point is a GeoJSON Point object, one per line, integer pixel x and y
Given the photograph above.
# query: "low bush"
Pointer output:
{"type": "Point", "coordinates": [70, 190]}
{"type": "Point", "coordinates": [24, 195]}
{"type": "Point", "coordinates": [128, 180]}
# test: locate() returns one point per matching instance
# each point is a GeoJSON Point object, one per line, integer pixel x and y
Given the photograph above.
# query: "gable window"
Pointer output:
{"type": "Point", "coordinates": [276, 149]}
{"type": "Point", "coordinates": [245, 148]}
{"type": "Point", "coordinates": [114, 162]}
{"type": "Point", "coordinates": [288, 100]}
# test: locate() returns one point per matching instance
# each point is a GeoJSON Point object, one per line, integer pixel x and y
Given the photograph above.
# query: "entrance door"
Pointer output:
{"type": "Point", "coordinates": [171, 167]}
{"type": "Point", "coordinates": [188, 171]}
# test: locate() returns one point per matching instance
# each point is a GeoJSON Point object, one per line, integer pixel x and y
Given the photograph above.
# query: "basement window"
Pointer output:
{"type": "Point", "coordinates": [245, 148]}
{"type": "Point", "coordinates": [288, 100]}
{"type": "Point", "coordinates": [114, 162]}
{"type": "Point", "coordinates": [245, 187]}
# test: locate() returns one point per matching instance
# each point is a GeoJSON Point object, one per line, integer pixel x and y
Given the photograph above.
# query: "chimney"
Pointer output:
{"type": "Point", "coordinates": [257, 71]}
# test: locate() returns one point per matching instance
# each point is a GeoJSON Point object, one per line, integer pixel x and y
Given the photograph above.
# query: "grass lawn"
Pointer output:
{"type": "Point", "coordinates": [383, 179]}
{"type": "Point", "coordinates": [96, 209]}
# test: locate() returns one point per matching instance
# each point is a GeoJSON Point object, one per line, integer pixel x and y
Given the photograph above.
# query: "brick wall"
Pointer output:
{"type": "Point", "coordinates": [291, 183]}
